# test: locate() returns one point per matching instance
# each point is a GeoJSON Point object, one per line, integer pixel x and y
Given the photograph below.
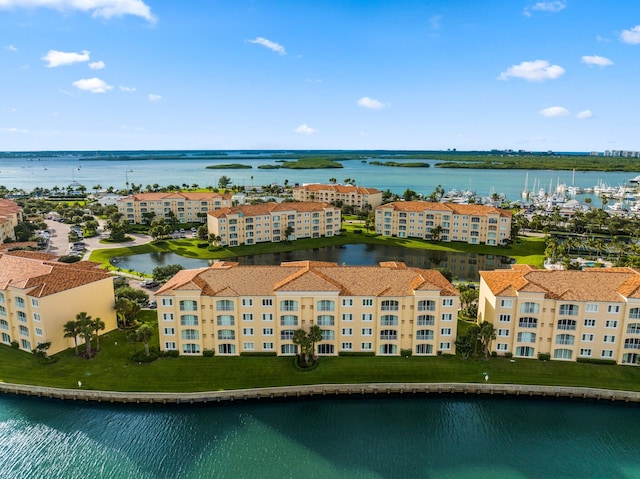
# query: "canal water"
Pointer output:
{"type": "Point", "coordinates": [436, 438]}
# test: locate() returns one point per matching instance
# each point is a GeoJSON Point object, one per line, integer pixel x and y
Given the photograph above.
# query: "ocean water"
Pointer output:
{"type": "Point", "coordinates": [437, 438]}
{"type": "Point", "coordinates": [64, 170]}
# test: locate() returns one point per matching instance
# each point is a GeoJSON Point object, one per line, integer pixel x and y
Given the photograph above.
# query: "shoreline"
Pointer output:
{"type": "Point", "coordinates": [323, 390]}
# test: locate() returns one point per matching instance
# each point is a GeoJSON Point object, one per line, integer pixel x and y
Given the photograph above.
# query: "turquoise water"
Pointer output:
{"type": "Point", "coordinates": [434, 438]}
{"type": "Point", "coordinates": [49, 173]}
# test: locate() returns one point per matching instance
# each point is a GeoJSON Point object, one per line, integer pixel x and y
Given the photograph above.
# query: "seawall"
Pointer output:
{"type": "Point", "coordinates": [319, 390]}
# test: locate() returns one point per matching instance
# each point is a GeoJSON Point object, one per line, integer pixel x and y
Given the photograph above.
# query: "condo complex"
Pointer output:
{"type": "Point", "coordinates": [183, 206]}
{"type": "Point", "coordinates": [358, 196]}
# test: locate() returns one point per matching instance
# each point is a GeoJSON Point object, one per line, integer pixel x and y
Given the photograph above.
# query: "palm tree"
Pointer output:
{"type": "Point", "coordinates": [98, 325]}
{"type": "Point", "coordinates": [315, 335]}
{"type": "Point", "coordinates": [71, 330]}
{"type": "Point", "coordinates": [485, 335]}
{"type": "Point", "coordinates": [144, 334]}
{"type": "Point", "coordinates": [303, 341]}
{"type": "Point", "coordinates": [85, 326]}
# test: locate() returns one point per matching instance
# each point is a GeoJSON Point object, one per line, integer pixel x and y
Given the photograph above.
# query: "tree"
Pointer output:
{"type": "Point", "coordinates": [409, 195]}
{"type": "Point", "coordinates": [163, 273]}
{"type": "Point", "coordinates": [71, 330]}
{"type": "Point", "coordinates": [288, 231]}
{"type": "Point", "coordinates": [465, 345]}
{"type": "Point", "coordinates": [144, 334]}
{"type": "Point", "coordinates": [98, 325]}
{"type": "Point", "coordinates": [315, 335]}
{"type": "Point", "coordinates": [486, 334]}
{"type": "Point", "coordinates": [305, 346]}
{"type": "Point", "coordinates": [224, 182]}
{"type": "Point", "coordinates": [436, 231]}
{"type": "Point", "coordinates": [40, 350]}
{"type": "Point", "coordinates": [202, 232]}
{"type": "Point", "coordinates": [126, 310]}
{"type": "Point", "coordinates": [86, 329]}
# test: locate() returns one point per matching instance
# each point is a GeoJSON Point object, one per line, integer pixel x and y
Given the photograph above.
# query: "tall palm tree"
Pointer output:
{"type": "Point", "coordinates": [71, 330]}
{"type": "Point", "coordinates": [485, 335]}
{"type": "Point", "coordinates": [144, 334]}
{"type": "Point", "coordinates": [98, 325]}
{"type": "Point", "coordinates": [315, 336]}
{"type": "Point", "coordinates": [85, 326]}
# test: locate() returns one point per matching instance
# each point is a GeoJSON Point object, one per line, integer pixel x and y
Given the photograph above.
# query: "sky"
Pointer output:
{"type": "Point", "coordinates": [560, 75]}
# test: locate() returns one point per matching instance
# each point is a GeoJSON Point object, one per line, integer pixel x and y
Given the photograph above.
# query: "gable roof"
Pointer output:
{"type": "Point", "coordinates": [273, 207]}
{"type": "Point", "coordinates": [455, 208]}
{"type": "Point", "coordinates": [344, 189]}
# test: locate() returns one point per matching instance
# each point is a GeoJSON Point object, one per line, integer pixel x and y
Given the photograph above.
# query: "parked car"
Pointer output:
{"type": "Point", "coordinates": [149, 284]}
{"type": "Point", "coordinates": [153, 304]}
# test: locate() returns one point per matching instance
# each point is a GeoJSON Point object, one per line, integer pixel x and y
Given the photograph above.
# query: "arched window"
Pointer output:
{"type": "Point", "coordinates": [562, 354]}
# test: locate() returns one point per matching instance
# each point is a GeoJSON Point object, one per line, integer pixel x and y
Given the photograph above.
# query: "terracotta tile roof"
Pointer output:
{"type": "Point", "coordinates": [592, 284]}
{"type": "Point", "coordinates": [344, 189]}
{"type": "Point", "coordinates": [42, 278]}
{"type": "Point", "coordinates": [33, 255]}
{"type": "Point", "coordinates": [5, 247]}
{"type": "Point", "coordinates": [8, 207]}
{"type": "Point", "coordinates": [393, 279]}
{"type": "Point", "coordinates": [177, 195]}
{"type": "Point", "coordinates": [267, 208]}
{"type": "Point", "coordinates": [454, 208]}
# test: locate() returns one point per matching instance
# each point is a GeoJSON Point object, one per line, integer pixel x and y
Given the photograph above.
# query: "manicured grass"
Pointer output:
{"type": "Point", "coordinates": [529, 250]}
{"type": "Point", "coordinates": [112, 369]}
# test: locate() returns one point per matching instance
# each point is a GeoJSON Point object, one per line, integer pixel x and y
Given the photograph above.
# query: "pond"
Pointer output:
{"type": "Point", "coordinates": [463, 266]}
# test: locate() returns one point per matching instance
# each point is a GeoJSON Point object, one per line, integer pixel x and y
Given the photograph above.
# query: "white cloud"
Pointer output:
{"type": "Point", "coordinates": [56, 58]}
{"type": "Point", "coordinates": [631, 36]}
{"type": "Point", "coordinates": [596, 60]}
{"type": "Point", "coordinates": [98, 8]}
{"type": "Point", "coordinates": [11, 48]}
{"type": "Point", "coordinates": [13, 130]}
{"type": "Point", "coordinates": [128, 89]}
{"type": "Point", "coordinates": [276, 47]}
{"type": "Point", "coordinates": [305, 129]}
{"type": "Point", "coordinates": [537, 70]}
{"type": "Point", "coordinates": [371, 103]}
{"type": "Point", "coordinates": [154, 97]}
{"type": "Point", "coordinates": [93, 85]}
{"type": "Point", "coordinates": [585, 115]}
{"type": "Point", "coordinates": [551, 7]}
{"type": "Point", "coordinates": [554, 112]}
{"type": "Point", "coordinates": [97, 65]}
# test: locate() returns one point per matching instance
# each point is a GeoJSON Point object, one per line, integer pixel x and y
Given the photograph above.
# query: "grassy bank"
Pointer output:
{"type": "Point", "coordinates": [529, 250]}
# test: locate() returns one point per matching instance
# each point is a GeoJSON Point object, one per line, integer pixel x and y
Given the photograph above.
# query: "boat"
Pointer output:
{"type": "Point", "coordinates": [635, 180]}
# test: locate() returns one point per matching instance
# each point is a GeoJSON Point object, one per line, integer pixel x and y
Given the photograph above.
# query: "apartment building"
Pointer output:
{"type": "Point", "coordinates": [594, 313]}
{"type": "Point", "coordinates": [187, 207]}
{"type": "Point", "coordinates": [358, 196]}
{"type": "Point", "coordinates": [10, 216]}
{"type": "Point", "coordinates": [38, 296]}
{"type": "Point", "coordinates": [473, 224]}
{"type": "Point", "coordinates": [232, 309]}
{"type": "Point", "coordinates": [268, 222]}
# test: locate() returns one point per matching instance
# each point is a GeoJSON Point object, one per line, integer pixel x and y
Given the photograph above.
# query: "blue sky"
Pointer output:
{"type": "Point", "coordinates": [560, 75]}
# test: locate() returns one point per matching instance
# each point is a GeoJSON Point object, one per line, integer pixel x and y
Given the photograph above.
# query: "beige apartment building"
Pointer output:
{"type": "Point", "coordinates": [473, 224]}
{"type": "Point", "coordinates": [10, 216]}
{"type": "Point", "coordinates": [188, 207]}
{"type": "Point", "coordinates": [358, 196]}
{"type": "Point", "coordinates": [268, 222]}
{"type": "Point", "coordinates": [382, 310]}
{"type": "Point", "coordinates": [594, 313]}
{"type": "Point", "coordinates": [38, 296]}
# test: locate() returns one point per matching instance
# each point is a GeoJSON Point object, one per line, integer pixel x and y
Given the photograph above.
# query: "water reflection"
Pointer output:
{"type": "Point", "coordinates": [463, 266]}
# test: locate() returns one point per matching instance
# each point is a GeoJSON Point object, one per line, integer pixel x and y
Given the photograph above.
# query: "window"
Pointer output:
{"type": "Point", "coordinates": [22, 316]}
{"type": "Point", "coordinates": [526, 337]}
{"type": "Point", "coordinates": [38, 332]}
{"type": "Point", "coordinates": [632, 328]}
{"type": "Point", "coordinates": [632, 343]}
{"type": "Point", "coordinates": [267, 331]}
{"type": "Point", "coordinates": [328, 335]}
{"type": "Point", "coordinates": [634, 313]}
{"type": "Point", "coordinates": [608, 338]}
{"type": "Point", "coordinates": [226, 334]}
{"type": "Point", "coordinates": [447, 302]}
{"type": "Point", "coordinates": [424, 349]}
{"type": "Point", "coordinates": [25, 344]}
{"type": "Point", "coordinates": [388, 335]}
{"type": "Point", "coordinates": [267, 301]}
{"type": "Point", "coordinates": [585, 352]}
{"type": "Point", "coordinates": [367, 331]}
{"type": "Point", "coordinates": [426, 305]}
{"type": "Point", "coordinates": [325, 348]}
{"type": "Point", "coordinates": [565, 339]}
{"type": "Point", "coordinates": [587, 338]}
{"type": "Point", "coordinates": [347, 317]}
{"type": "Point", "coordinates": [607, 353]}
{"type": "Point", "coordinates": [502, 347]}
{"type": "Point", "coordinates": [389, 305]}
{"type": "Point", "coordinates": [267, 317]}
{"type": "Point", "coordinates": [19, 302]}
{"type": "Point", "coordinates": [503, 333]}
{"type": "Point", "coordinates": [227, 348]}
{"type": "Point", "coordinates": [524, 351]}
{"type": "Point", "coordinates": [346, 346]}
{"type": "Point", "coordinates": [190, 334]}
{"type": "Point", "coordinates": [188, 305]}
{"type": "Point", "coordinates": [589, 323]}
{"type": "Point", "coordinates": [389, 320]}
{"type": "Point", "coordinates": [504, 318]}
{"type": "Point", "coordinates": [169, 331]}
{"type": "Point", "coordinates": [347, 302]}
{"type": "Point", "coordinates": [528, 307]}
{"type": "Point", "coordinates": [367, 317]}
{"type": "Point", "coordinates": [426, 320]}
{"type": "Point", "coordinates": [289, 305]}
{"type": "Point", "coordinates": [445, 346]}
{"type": "Point", "coordinates": [288, 320]}
{"type": "Point", "coordinates": [170, 345]}
{"type": "Point", "coordinates": [267, 346]}
{"type": "Point", "coordinates": [325, 320]}
{"type": "Point", "coordinates": [3, 311]}
{"type": "Point", "coordinates": [247, 302]}
{"type": "Point", "coordinates": [528, 322]}
{"type": "Point", "coordinates": [568, 310]}
{"type": "Point", "coordinates": [424, 334]}
{"type": "Point", "coordinates": [225, 320]}
{"type": "Point", "coordinates": [611, 324]}
{"type": "Point", "coordinates": [367, 302]}
{"type": "Point", "coordinates": [613, 308]}
{"type": "Point", "coordinates": [447, 316]}
{"type": "Point", "coordinates": [347, 331]}
{"type": "Point", "coordinates": [388, 349]}
{"type": "Point", "coordinates": [34, 302]}
{"type": "Point", "coordinates": [167, 316]}
{"type": "Point", "coordinates": [289, 349]}
{"type": "Point", "coordinates": [248, 346]}
{"type": "Point", "coordinates": [506, 303]}
{"type": "Point", "coordinates": [445, 331]}
{"type": "Point", "coordinates": [247, 316]}
{"type": "Point", "coordinates": [367, 346]}
{"type": "Point", "coordinates": [326, 305]}
{"type": "Point", "coordinates": [247, 331]}
{"type": "Point", "coordinates": [567, 324]}
{"type": "Point", "coordinates": [188, 320]}
{"type": "Point", "coordinates": [591, 308]}
{"type": "Point", "coordinates": [4, 325]}
{"type": "Point", "coordinates": [24, 331]}
{"type": "Point", "coordinates": [167, 302]}
{"type": "Point", "coordinates": [286, 334]}
{"type": "Point", "coordinates": [562, 354]}
{"type": "Point", "coordinates": [223, 305]}
{"type": "Point", "coordinates": [2, 298]}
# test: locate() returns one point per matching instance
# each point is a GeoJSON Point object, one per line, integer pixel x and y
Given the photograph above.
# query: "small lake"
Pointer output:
{"type": "Point", "coordinates": [463, 266]}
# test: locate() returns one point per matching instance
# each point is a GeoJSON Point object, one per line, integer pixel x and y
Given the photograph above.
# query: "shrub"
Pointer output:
{"type": "Point", "coordinates": [356, 353]}
{"type": "Point", "coordinates": [172, 353]}
{"type": "Point", "coordinates": [544, 356]}
{"type": "Point", "coordinates": [208, 353]}
{"type": "Point", "coordinates": [141, 357]}
{"type": "Point", "coordinates": [508, 355]}
{"type": "Point", "coordinates": [203, 245]}
{"type": "Point", "coordinates": [69, 259]}
{"type": "Point", "coordinates": [263, 354]}
{"type": "Point", "coordinates": [494, 354]}
{"type": "Point", "coordinates": [597, 361]}
{"type": "Point", "coordinates": [15, 345]}
{"type": "Point", "coordinates": [406, 352]}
